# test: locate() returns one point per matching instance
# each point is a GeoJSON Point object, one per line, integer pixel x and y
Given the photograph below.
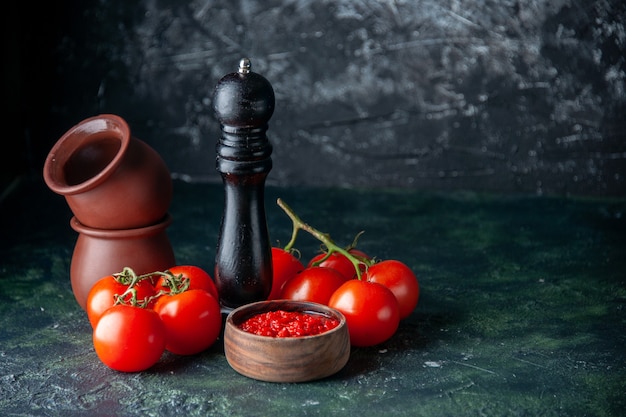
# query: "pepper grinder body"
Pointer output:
{"type": "Point", "coordinates": [243, 103]}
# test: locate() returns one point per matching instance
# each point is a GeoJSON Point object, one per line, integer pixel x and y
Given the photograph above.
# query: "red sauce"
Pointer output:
{"type": "Point", "coordinates": [281, 323]}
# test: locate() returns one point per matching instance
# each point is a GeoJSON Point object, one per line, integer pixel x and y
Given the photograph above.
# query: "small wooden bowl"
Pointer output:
{"type": "Point", "coordinates": [285, 359]}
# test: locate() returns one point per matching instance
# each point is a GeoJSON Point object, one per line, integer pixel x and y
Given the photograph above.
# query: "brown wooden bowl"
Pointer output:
{"type": "Point", "coordinates": [285, 359]}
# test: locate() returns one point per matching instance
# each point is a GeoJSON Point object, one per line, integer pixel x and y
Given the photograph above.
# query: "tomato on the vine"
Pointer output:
{"type": "Point", "coordinates": [285, 266]}
{"type": "Point", "coordinates": [199, 279]}
{"type": "Point", "coordinates": [192, 321]}
{"type": "Point", "coordinates": [339, 262]}
{"type": "Point", "coordinates": [129, 338]}
{"type": "Point", "coordinates": [400, 279]}
{"type": "Point", "coordinates": [103, 292]}
{"type": "Point", "coordinates": [314, 284]}
{"type": "Point", "coordinates": [371, 311]}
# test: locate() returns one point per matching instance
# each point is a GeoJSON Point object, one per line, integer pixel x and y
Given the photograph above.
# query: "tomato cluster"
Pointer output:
{"type": "Point", "coordinates": [136, 318]}
{"type": "Point", "coordinates": [373, 296]}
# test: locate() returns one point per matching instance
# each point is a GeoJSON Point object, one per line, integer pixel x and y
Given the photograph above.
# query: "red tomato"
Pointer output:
{"type": "Point", "coordinates": [285, 266]}
{"type": "Point", "coordinates": [129, 339]}
{"type": "Point", "coordinates": [102, 295]}
{"type": "Point", "coordinates": [314, 284]}
{"type": "Point", "coordinates": [199, 279]}
{"type": "Point", "coordinates": [192, 320]}
{"type": "Point", "coordinates": [339, 262]}
{"type": "Point", "coordinates": [399, 278]}
{"type": "Point", "coordinates": [371, 311]}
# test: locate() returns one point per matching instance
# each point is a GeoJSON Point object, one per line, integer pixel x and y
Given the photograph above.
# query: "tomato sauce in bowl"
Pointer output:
{"type": "Point", "coordinates": [286, 340]}
{"type": "Point", "coordinates": [282, 323]}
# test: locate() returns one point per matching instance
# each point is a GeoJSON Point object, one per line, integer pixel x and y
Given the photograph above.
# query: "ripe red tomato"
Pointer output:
{"type": "Point", "coordinates": [399, 278]}
{"type": "Point", "coordinates": [199, 279]}
{"type": "Point", "coordinates": [339, 262]}
{"type": "Point", "coordinates": [314, 284]}
{"type": "Point", "coordinates": [285, 266]}
{"type": "Point", "coordinates": [192, 321]}
{"type": "Point", "coordinates": [371, 311]}
{"type": "Point", "coordinates": [129, 339]}
{"type": "Point", "coordinates": [102, 295]}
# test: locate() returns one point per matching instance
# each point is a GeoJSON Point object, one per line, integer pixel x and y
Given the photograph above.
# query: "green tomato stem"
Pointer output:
{"type": "Point", "coordinates": [176, 284]}
{"type": "Point", "coordinates": [294, 231]}
{"type": "Point", "coordinates": [129, 278]}
{"type": "Point", "coordinates": [325, 238]}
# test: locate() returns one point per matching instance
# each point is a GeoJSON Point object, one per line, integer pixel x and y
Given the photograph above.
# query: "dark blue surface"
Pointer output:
{"type": "Point", "coordinates": [522, 311]}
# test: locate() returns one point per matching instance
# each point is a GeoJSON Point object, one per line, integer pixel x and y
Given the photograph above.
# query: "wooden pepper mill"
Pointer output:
{"type": "Point", "coordinates": [243, 103]}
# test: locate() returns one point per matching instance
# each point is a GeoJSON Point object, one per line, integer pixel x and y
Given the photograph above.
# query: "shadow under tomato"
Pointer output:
{"type": "Point", "coordinates": [417, 333]}
{"type": "Point", "coordinates": [172, 363]}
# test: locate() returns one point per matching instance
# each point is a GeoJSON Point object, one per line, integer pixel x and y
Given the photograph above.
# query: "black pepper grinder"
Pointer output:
{"type": "Point", "coordinates": [243, 103]}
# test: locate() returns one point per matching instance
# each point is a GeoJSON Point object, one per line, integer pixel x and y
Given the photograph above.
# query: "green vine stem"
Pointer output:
{"type": "Point", "coordinates": [176, 284]}
{"type": "Point", "coordinates": [129, 278]}
{"type": "Point", "coordinates": [352, 245]}
{"type": "Point", "coordinates": [295, 228]}
{"type": "Point", "coordinates": [325, 238]}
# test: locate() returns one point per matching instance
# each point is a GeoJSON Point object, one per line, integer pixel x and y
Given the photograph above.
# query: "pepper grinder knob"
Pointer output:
{"type": "Point", "coordinates": [243, 103]}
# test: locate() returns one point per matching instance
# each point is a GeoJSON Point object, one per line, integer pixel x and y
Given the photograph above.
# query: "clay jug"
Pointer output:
{"type": "Point", "coordinates": [110, 179]}
{"type": "Point", "coordinates": [102, 252]}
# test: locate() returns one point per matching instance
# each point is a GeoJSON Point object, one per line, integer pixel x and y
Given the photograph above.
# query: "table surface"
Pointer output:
{"type": "Point", "coordinates": [522, 310]}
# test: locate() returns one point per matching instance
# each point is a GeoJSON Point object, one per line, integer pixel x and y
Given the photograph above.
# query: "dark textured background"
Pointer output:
{"type": "Point", "coordinates": [502, 96]}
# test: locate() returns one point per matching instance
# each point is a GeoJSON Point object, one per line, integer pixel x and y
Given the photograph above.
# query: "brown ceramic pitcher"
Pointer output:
{"type": "Point", "coordinates": [101, 252]}
{"type": "Point", "coordinates": [110, 179]}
